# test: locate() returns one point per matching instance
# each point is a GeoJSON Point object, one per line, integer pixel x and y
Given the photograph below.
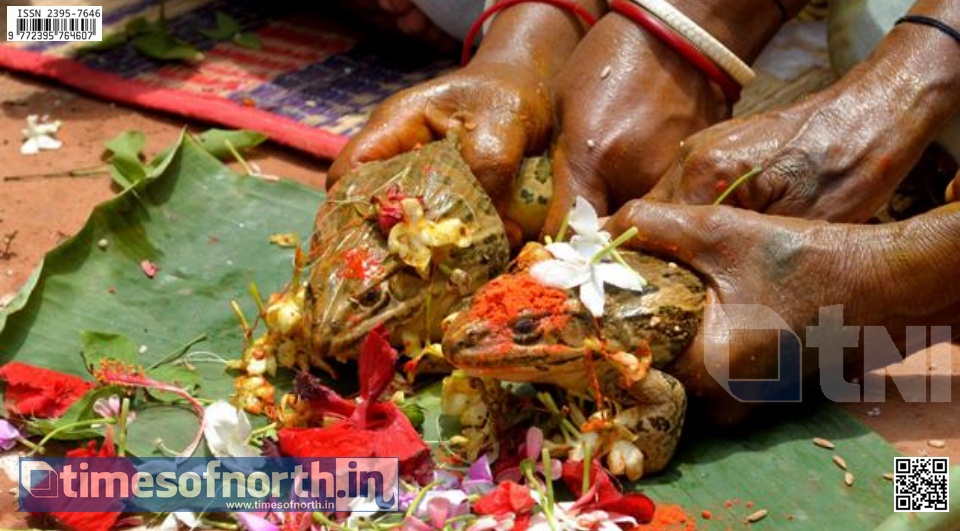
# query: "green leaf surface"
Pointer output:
{"type": "Point", "coordinates": [247, 40]}
{"type": "Point", "coordinates": [97, 346]}
{"type": "Point", "coordinates": [208, 230]}
{"type": "Point", "coordinates": [227, 28]}
{"type": "Point", "coordinates": [124, 152]}
{"type": "Point", "coordinates": [165, 47]}
{"type": "Point", "coordinates": [215, 141]}
{"type": "Point", "coordinates": [108, 42]}
{"type": "Point", "coordinates": [182, 377]}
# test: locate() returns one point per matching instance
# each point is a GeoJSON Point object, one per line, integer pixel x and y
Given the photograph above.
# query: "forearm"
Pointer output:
{"type": "Point", "coordinates": [906, 91]}
{"type": "Point", "coordinates": [922, 284]}
{"type": "Point", "coordinates": [536, 34]}
{"type": "Point", "coordinates": [744, 26]}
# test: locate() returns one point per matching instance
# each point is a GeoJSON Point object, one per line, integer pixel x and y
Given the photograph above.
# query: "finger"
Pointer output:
{"type": "Point", "coordinates": [494, 153]}
{"type": "Point", "coordinates": [689, 234]}
{"type": "Point", "coordinates": [413, 23]}
{"type": "Point", "coordinates": [572, 179]}
{"type": "Point", "coordinates": [392, 130]}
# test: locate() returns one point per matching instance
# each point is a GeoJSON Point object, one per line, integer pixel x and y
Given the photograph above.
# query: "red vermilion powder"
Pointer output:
{"type": "Point", "coordinates": [669, 518]}
{"type": "Point", "coordinates": [502, 300]}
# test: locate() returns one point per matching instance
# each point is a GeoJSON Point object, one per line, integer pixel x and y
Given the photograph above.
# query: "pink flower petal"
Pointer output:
{"type": "Point", "coordinates": [149, 268]}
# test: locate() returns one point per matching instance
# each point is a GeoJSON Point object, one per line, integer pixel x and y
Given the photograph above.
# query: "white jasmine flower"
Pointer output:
{"type": "Point", "coordinates": [173, 520]}
{"type": "Point", "coordinates": [576, 263]}
{"type": "Point", "coordinates": [227, 430]}
{"type": "Point", "coordinates": [39, 135]}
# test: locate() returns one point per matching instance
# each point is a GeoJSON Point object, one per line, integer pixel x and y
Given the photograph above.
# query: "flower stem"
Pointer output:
{"type": "Point", "coordinates": [221, 525]}
{"type": "Point", "coordinates": [179, 351]}
{"type": "Point", "coordinates": [240, 159]}
{"type": "Point", "coordinates": [122, 427]}
{"type": "Point", "coordinates": [419, 497]}
{"type": "Point", "coordinates": [323, 520]}
{"type": "Point", "coordinates": [587, 461]}
{"type": "Point", "coordinates": [563, 228]}
{"type": "Point", "coordinates": [261, 430]}
{"type": "Point", "coordinates": [255, 292]}
{"type": "Point", "coordinates": [547, 474]}
{"type": "Point", "coordinates": [736, 184]}
{"type": "Point", "coordinates": [612, 246]}
{"type": "Point", "coordinates": [70, 426]}
{"type": "Point", "coordinates": [33, 447]}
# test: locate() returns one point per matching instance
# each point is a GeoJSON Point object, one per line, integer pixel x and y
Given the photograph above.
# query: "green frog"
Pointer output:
{"type": "Point", "coordinates": [358, 282]}
{"type": "Point", "coordinates": [515, 329]}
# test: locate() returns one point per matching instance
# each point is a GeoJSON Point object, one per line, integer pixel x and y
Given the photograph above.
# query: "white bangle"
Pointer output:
{"type": "Point", "coordinates": [699, 37]}
{"type": "Point", "coordinates": [486, 25]}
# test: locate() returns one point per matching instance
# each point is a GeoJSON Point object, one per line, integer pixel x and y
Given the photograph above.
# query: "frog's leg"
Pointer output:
{"type": "Point", "coordinates": [659, 404]}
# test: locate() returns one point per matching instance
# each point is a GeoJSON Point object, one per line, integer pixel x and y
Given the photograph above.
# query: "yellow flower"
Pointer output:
{"type": "Point", "coordinates": [415, 238]}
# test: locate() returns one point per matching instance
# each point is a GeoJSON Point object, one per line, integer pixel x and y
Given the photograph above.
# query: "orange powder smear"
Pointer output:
{"type": "Point", "coordinates": [669, 518]}
{"type": "Point", "coordinates": [502, 300]}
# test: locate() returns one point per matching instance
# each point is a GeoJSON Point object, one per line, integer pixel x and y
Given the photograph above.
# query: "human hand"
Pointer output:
{"type": "Point", "coordinates": [499, 112]}
{"type": "Point", "coordinates": [746, 258]}
{"type": "Point", "coordinates": [622, 116]}
{"type": "Point", "coordinates": [838, 155]}
{"type": "Point", "coordinates": [404, 17]}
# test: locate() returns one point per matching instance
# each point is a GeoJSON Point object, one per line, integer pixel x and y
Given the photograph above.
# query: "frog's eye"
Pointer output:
{"type": "Point", "coordinates": [370, 297]}
{"type": "Point", "coordinates": [526, 330]}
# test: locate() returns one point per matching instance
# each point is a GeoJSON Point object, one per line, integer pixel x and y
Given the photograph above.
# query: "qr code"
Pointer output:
{"type": "Point", "coordinates": [920, 484]}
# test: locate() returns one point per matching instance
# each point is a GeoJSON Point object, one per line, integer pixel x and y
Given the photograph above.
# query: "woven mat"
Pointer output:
{"type": "Point", "coordinates": [318, 73]}
{"type": "Point", "coordinates": [312, 83]}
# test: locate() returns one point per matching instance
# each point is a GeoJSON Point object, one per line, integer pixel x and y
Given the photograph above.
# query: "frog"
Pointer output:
{"type": "Point", "coordinates": [544, 335]}
{"type": "Point", "coordinates": [357, 283]}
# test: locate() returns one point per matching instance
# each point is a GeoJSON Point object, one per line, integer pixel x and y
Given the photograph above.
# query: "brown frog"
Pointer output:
{"type": "Point", "coordinates": [516, 329]}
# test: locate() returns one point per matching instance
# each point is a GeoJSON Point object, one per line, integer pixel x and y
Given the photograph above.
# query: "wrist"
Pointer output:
{"type": "Point", "coordinates": [919, 256]}
{"type": "Point", "coordinates": [537, 35]}
{"type": "Point", "coordinates": [744, 27]}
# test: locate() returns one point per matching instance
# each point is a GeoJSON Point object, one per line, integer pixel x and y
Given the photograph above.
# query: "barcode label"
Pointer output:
{"type": "Point", "coordinates": [921, 484]}
{"type": "Point", "coordinates": [54, 23]}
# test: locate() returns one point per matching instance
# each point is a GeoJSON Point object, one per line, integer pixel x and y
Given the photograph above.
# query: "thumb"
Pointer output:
{"type": "Point", "coordinates": [391, 130]}
{"type": "Point", "coordinates": [494, 153]}
{"type": "Point", "coordinates": [571, 180]}
{"type": "Point", "coordinates": [687, 233]}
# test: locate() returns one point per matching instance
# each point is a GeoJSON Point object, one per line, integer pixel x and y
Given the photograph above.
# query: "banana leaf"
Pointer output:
{"type": "Point", "coordinates": [207, 230]}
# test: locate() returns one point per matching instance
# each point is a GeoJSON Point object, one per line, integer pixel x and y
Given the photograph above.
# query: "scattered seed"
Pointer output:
{"type": "Point", "coordinates": [849, 479]}
{"type": "Point", "coordinates": [937, 443]}
{"type": "Point", "coordinates": [823, 443]}
{"type": "Point", "coordinates": [840, 462]}
{"type": "Point", "coordinates": [142, 349]}
{"type": "Point", "coordinates": [605, 72]}
{"type": "Point", "coordinates": [149, 268]}
{"type": "Point", "coordinates": [103, 243]}
{"type": "Point", "coordinates": [591, 143]}
{"type": "Point", "coordinates": [705, 514]}
{"type": "Point", "coordinates": [310, 103]}
{"type": "Point", "coordinates": [888, 476]}
{"type": "Point", "coordinates": [757, 516]}
{"type": "Point", "coordinates": [470, 126]}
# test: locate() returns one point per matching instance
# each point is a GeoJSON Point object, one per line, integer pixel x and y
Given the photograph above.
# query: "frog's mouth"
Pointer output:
{"type": "Point", "coordinates": [509, 360]}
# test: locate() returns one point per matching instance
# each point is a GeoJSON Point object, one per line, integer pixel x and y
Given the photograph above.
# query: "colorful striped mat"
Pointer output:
{"type": "Point", "coordinates": [310, 85]}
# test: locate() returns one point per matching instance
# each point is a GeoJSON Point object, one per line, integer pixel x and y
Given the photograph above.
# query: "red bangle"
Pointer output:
{"type": "Point", "coordinates": [568, 5]}
{"type": "Point", "coordinates": [731, 89]}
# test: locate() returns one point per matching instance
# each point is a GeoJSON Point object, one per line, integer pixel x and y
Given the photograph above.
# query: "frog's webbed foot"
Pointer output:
{"type": "Point", "coordinates": [656, 418]}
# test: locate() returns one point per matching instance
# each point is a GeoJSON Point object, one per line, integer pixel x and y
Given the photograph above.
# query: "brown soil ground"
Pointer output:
{"type": "Point", "coordinates": [45, 210]}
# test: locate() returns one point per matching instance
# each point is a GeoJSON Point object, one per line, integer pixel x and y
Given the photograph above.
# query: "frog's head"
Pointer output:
{"type": "Point", "coordinates": [355, 286]}
{"type": "Point", "coordinates": [518, 329]}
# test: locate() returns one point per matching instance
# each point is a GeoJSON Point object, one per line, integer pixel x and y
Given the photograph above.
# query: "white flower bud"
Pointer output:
{"type": "Point", "coordinates": [625, 459]}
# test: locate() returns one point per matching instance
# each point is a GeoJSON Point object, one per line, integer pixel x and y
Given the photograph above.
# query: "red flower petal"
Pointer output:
{"type": "Point", "coordinates": [91, 521]}
{"type": "Point", "coordinates": [88, 521]}
{"type": "Point", "coordinates": [388, 433]}
{"type": "Point", "coordinates": [603, 494]}
{"type": "Point", "coordinates": [149, 268]}
{"type": "Point", "coordinates": [507, 498]}
{"type": "Point", "coordinates": [377, 359]}
{"type": "Point", "coordinates": [633, 504]}
{"type": "Point", "coordinates": [39, 392]}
